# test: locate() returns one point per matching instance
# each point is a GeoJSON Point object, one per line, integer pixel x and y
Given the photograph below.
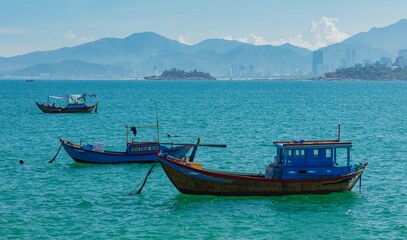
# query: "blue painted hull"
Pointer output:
{"type": "Point", "coordinates": [82, 155]}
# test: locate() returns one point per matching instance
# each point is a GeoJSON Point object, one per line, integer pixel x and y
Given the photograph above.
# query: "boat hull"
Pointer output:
{"type": "Point", "coordinates": [50, 109]}
{"type": "Point", "coordinates": [81, 155]}
{"type": "Point", "coordinates": [189, 180]}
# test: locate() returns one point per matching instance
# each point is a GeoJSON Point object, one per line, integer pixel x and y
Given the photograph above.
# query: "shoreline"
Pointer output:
{"type": "Point", "coordinates": [217, 79]}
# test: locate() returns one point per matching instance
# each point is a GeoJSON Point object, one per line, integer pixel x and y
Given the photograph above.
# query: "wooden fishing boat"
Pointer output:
{"type": "Point", "coordinates": [136, 152]}
{"type": "Point", "coordinates": [299, 167]}
{"type": "Point", "coordinates": [76, 103]}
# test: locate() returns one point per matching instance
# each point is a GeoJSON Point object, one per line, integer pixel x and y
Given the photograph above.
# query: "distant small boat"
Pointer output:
{"type": "Point", "coordinates": [76, 103]}
{"type": "Point", "coordinates": [29, 80]}
{"type": "Point", "coordinates": [299, 167]}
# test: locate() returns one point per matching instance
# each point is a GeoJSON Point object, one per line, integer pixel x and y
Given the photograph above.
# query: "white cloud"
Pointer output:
{"type": "Point", "coordinates": [184, 40]}
{"type": "Point", "coordinates": [70, 35]}
{"type": "Point", "coordinates": [251, 39]}
{"type": "Point", "coordinates": [318, 34]}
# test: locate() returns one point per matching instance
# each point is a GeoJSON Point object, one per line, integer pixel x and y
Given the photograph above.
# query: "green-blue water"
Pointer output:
{"type": "Point", "coordinates": [67, 200]}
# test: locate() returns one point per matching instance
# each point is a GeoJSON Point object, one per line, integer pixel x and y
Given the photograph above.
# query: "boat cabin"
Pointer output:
{"type": "Point", "coordinates": [139, 147]}
{"type": "Point", "coordinates": [310, 159]}
{"type": "Point", "coordinates": [76, 101]}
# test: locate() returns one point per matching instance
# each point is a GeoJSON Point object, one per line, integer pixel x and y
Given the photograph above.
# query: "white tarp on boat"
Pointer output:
{"type": "Point", "coordinates": [72, 98]}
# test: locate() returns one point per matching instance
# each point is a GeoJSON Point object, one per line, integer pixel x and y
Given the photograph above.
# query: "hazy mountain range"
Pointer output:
{"type": "Point", "coordinates": [147, 53]}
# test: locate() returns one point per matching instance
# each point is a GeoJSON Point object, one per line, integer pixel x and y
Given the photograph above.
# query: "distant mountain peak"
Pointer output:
{"type": "Point", "coordinates": [145, 53]}
{"type": "Point", "coordinates": [390, 38]}
{"type": "Point", "coordinates": [402, 23]}
{"type": "Point", "coordinates": [144, 34]}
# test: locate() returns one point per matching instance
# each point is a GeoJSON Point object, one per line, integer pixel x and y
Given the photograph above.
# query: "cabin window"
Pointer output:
{"type": "Point", "coordinates": [328, 153]}
{"type": "Point", "coordinates": [289, 153]}
{"type": "Point", "coordinates": [296, 153]}
{"type": "Point", "coordinates": [288, 156]}
{"type": "Point", "coordinates": [280, 155]}
{"type": "Point", "coordinates": [316, 153]}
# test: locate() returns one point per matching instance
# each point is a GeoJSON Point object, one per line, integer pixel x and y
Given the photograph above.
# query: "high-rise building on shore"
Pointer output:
{"type": "Point", "coordinates": [317, 61]}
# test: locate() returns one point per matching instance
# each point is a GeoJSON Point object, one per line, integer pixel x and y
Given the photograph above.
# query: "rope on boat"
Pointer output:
{"type": "Point", "coordinates": [50, 161]}
{"type": "Point", "coordinates": [144, 181]}
{"type": "Point", "coordinates": [360, 179]}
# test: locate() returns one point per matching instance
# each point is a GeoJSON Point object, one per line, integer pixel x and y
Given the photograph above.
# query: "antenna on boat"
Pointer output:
{"type": "Point", "coordinates": [339, 131]}
{"type": "Point", "coordinates": [127, 134]}
{"type": "Point", "coordinates": [158, 126]}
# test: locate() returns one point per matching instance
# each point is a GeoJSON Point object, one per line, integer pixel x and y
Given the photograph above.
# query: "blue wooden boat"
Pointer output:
{"type": "Point", "coordinates": [136, 152]}
{"type": "Point", "coordinates": [75, 103]}
{"type": "Point", "coordinates": [299, 167]}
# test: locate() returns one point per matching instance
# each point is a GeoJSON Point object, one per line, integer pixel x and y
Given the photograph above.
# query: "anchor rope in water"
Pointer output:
{"type": "Point", "coordinates": [138, 184]}
{"type": "Point", "coordinates": [145, 179]}
{"type": "Point", "coordinates": [132, 191]}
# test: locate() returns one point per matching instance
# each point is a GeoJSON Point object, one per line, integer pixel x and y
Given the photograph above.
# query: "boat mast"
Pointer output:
{"type": "Point", "coordinates": [127, 134]}
{"type": "Point", "coordinates": [339, 131]}
{"type": "Point", "coordinates": [130, 127]}
{"type": "Point", "coordinates": [158, 126]}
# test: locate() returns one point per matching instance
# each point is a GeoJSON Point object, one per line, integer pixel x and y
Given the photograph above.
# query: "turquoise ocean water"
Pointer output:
{"type": "Point", "coordinates": [68, 200]}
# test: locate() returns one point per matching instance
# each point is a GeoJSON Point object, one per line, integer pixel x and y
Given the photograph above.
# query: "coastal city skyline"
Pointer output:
{"type": "Point", "coordinates": [28, 26]}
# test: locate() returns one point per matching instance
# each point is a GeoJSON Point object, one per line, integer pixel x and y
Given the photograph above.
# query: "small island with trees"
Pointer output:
{"type": "Point", "coordinates": [375, 72]}
{"type": "Point", "coordinates": [177, 74]}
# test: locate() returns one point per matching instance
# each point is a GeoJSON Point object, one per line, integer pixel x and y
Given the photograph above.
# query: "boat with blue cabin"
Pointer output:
{"type": "Point", "coordinates": [75, 103]}
{"type": "Point", "coordinates": [299, 167]}
{"type": "Point", "coordinates": [136, 152]}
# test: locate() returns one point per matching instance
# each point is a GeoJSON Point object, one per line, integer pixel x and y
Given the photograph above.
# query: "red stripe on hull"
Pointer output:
{"type": "Point", "coordinates": [193, 181]}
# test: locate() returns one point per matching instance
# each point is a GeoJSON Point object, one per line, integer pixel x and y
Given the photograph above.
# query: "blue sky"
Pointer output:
{"type": "Point", "coordinates": [37, 25]}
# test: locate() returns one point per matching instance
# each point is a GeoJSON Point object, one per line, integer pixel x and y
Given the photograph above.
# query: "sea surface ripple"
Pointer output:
{"type": "Point", "coordinates": [68, 200]}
